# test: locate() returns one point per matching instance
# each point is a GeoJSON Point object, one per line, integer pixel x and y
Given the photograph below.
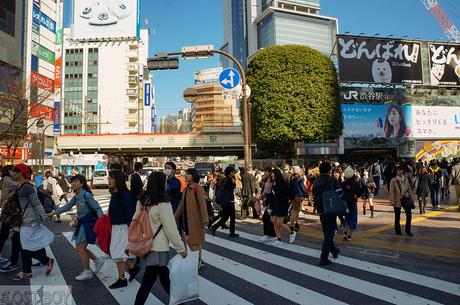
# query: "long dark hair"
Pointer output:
{"type": "Point", "coordinates": [156, 189]}
{"type": "Point", "coordinates": [120, 182]}
{"type": "Point", "coordinates": [279, 179]}
{"type": "Point", "coordinates": [388, 128]}
{"type": "Point", "coordinates": [84, 183]}
{"type": "Point", "coordinates": [5, 171]}
{"type": "Point", "coordinates": [194, 173]}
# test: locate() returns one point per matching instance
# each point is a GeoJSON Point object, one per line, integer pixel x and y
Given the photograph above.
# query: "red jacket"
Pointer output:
{"type": "Point", "coordinates": [103, 230]}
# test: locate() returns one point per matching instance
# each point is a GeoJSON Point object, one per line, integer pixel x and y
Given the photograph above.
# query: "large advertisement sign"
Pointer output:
{"type": "Point", "coordinates": [105, 19]}
{"type": "Point", "coordinates": [436, 122]}
{"type": "Point", "coordinates": [57, 117]}
{"type": "Point", "coordinates": [430, 150]}
{"type": "Point", "coordinates": [379, 60]}
{"type": "Point", "coordinates": [147, 94]}
{"type": "Point", "coordinates": [370, 95]}
{"type": "Point", "coordinates": [445, 64]}
{"type": "Point", "coordinates": [58, 55]}
{"type": "Point", "coordinates": [43, 19]}
{"type": "Point", "coordinates": [41, 111]}
{"type": "Point", "coordinates": [377, 121]}
{"type": "Point", "coordinates": [41, 81]}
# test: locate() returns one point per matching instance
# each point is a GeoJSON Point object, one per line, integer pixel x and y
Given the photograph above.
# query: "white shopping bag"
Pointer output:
{"type": "Point", "coordinates": [183, 273]}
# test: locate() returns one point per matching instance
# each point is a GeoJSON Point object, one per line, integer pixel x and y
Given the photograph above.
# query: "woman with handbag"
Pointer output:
{"type": "Point", "coordinates": [88, 211]}
{"type": "Point", "coordinates": [162, 222]}
{"type": "Point", "coordinates": [400, 196]}
{"type": "Point", "coordinates": [33, 234]}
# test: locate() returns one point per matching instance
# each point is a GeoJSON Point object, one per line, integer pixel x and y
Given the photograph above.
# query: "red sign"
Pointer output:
{"type": "Point", "coordinates": [21, 153]}
{"type": "Point", "coordinates": [41, 111]}
{"type": "Point", "coordinates": [57, 73]}
{"type": "Point", "coordinates": [41, 81]}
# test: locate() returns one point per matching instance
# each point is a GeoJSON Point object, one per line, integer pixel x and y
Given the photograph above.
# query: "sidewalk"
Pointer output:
{"type": "Point", "coordinates": [436, 233]}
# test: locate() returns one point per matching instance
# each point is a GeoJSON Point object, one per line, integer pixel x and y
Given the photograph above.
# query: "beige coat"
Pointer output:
{"type": "Point", "coordinates": [162, 214]}
{"type": "Point", "coordinates": [197, 213]}
{"type": "Point", "coordinates": [395, 190]}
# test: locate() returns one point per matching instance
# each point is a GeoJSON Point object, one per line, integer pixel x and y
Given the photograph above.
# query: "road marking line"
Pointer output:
{"type": "Point", "coordinates": [355, 284]}
{"type": "Point", "coordinates": [211, 293]}
{"type": "Point", "coordinates": [402, 275]}
{"type": "Point", "coordinates": [109, 275]}
{"type": "Point", "coordinates": [52, 282]}
{"type": "Point", "coordinates": [271, 283]}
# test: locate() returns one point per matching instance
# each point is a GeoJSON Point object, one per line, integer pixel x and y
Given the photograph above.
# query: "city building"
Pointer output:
{"type": "Point", "coordinates": [30, 36]}
{"type": "Point", "coordinates": [251, 25]}
{"type": "Point", "coordinates": [106, 88]}
{"type": "Point", "coordinates": [177, 123]}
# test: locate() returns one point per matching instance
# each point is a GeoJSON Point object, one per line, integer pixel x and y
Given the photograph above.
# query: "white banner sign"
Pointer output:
{"type": "Point", "coordinates": [436, 122]}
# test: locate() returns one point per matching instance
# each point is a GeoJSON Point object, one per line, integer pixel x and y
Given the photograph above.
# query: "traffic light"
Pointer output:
{"type": "Point", "coordinates": [163, 63]}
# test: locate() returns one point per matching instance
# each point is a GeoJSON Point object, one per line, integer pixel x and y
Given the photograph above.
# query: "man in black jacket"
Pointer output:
{"type": "Point", "coordinates": [328, 222]}
{"type": "Point", "coordinates": [136, 183]}
{"type": "Point", "coordinates": [248, 192]}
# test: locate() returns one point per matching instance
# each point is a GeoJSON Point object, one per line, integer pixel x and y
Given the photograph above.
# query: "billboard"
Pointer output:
{"type": "Point", "coordinates": [379, 60]}
{"type": "Point", "coordinates": [445, 64]}
{"type": "Point", "coordinates": [42, 82]}
{"type": "Point", "coordinates": [430, 150]}
{"type": "Point", "coordinates": [105, 19]}
{"type": "Point", "coordinates": [57, 117]}
{"type": "Point", "coordinates": [207, 76]}
{"type": "Point", "coordinates": [436, 122]}
{"type": "Point", "coordinates": [376, 121]}
{"type": "Point", "coordinates": [370, 95]}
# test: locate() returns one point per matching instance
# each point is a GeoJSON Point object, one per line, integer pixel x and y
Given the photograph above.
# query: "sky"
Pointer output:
{"type": "Point", "coordinates": [177, 23]}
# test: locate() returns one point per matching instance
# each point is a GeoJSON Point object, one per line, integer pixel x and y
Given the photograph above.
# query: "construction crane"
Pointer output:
{"type": "Point", "coordinates": [442, 19]}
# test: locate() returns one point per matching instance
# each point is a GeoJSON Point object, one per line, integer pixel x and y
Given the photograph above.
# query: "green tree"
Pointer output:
{"type": "Point", "coordinates": [295, 96]}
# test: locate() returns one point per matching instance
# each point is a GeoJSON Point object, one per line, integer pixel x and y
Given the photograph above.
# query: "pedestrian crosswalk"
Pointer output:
{"type": "Point", "coordinates": [245, 271]}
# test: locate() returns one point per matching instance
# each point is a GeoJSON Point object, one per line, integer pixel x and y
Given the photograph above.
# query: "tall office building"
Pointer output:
{"type": "Point", "coordinates": [106, 88]}
{"type": "Point", "coordinates": [250, 25]}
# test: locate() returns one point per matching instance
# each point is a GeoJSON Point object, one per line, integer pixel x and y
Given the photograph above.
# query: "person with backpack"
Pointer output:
{"type": "Point", "coordinates": [8, 187]}
{"type": "Point", "coordinates": [225, 197]}
{"type": "Point", "coordinates": [280, 191]}
{"type": "Point", "coordinates": [52, 187]}
{"type": "Point", "coordinates": [34, 236]}
{"type": "Point", "coordinates": [192, 214]}
{"type": "Point", "coordinates": [88, 211]}
{"type": "Point", "coordinates": [435, 187]}
{"type": "Point", "coordinates": [121, 212]}
{"type": "Point", "coordinates": [455, 179]}
{"type": "Point", "coordinates": [160, 221]}
{"type": "Point", "coordinates": [328, 222]}
{"type": "Point", "coordinates": [351, 191]}
{"type": "Point", "coordinates": [298, 192]}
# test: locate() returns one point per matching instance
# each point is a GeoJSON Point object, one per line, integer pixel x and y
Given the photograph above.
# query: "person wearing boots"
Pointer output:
{"type": "Point", "coordinates": [423, 188]}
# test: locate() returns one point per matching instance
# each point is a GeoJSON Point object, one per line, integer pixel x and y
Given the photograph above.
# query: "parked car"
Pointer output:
{"type": "Point", "coordinates": [100, 179]}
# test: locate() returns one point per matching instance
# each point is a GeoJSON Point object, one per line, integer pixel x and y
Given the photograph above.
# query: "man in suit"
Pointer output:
{"type": "Point", "coordinates": [137, 187]}
{"type": "Point", "coordinates": [248, 192]}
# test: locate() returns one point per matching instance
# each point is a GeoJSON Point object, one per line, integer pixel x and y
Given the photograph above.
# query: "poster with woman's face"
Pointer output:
{"type": "Point", "coordinates": [377, 121]}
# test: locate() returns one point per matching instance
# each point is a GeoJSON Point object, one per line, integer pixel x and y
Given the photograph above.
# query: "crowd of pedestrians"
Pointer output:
{"type": "Point", "coordinates": [180, 208]}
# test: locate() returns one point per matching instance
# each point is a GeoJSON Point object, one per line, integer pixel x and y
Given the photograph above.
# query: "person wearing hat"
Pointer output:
{"type": "Point", "coordinates": [328, 222]}
{"type": "Point", "coordinates": [298, 191]}
{"type": "Point", "coordinates": [33, 235]}
{"type": "Point", "coordinates": [351, 192]}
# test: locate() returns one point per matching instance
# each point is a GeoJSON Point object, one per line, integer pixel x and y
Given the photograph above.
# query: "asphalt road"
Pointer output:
{"type": "Point", "coordinates": [374, 268]}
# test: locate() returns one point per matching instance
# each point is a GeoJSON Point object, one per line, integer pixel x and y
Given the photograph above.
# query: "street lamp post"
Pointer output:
{"type": "Point", "coordinates": [164, 61]}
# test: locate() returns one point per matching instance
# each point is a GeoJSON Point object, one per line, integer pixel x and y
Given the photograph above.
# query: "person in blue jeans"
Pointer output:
{"type": "Point", "coordinates": [328, 222]}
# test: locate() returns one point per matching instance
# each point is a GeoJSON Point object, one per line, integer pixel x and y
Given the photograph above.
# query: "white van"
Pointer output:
{"type": "Point", "coordinates": [100, 179]}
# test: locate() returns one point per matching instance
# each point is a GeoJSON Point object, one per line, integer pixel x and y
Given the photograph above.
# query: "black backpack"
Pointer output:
{"type": "Point", "coordinates": [11, 211]}
{"type": "Point", "coordinates": [46, 200]}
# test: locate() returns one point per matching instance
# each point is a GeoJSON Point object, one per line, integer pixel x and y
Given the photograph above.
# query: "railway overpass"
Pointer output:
{"type": "Point", "coordinates": [187, 144]}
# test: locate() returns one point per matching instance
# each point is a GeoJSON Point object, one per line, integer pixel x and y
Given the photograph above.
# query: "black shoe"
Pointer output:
{"type": "Point", "coordinates": [133, 272]}
{"type": "Point", "coordinates": [119, 284]}
{"type": "Point", "coordinates": [231, 235]}
{"type": "Point", "coordinates": [336, 253]}
{"type": "Point", "coordinates": [324, 262]}
{"type": "Point", "coordinates": [213, 231]}
{"type": "Point", "coordinates": [224, 227]}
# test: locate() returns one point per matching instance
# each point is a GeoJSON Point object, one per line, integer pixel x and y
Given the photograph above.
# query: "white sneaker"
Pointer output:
{"type": "Point", "coordinates": [292, 237]}
{"type": "Point", "coordinates": [85, 275]}
{"type": "Point", "coordinates": [277, 242]}
{"type": "Point", "coordinates": [98, 263]}
{"type": "Point", "coordinates": [264, 239]}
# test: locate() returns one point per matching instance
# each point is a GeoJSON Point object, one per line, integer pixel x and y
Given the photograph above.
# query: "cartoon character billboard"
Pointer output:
{"type": "Point", "coordinates": [445, 64]}
{"type": "Point", "coordinates": [379, 60]}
